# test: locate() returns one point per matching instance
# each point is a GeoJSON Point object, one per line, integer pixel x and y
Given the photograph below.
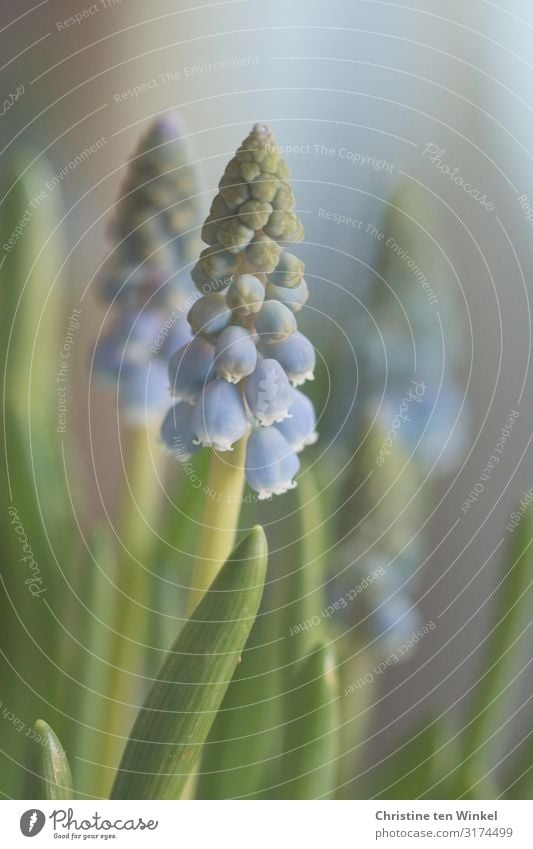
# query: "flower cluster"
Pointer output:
{"type": "Point", "coordinates": [238, 376]}
{"type": "Point", "coordinates": [148, 294]}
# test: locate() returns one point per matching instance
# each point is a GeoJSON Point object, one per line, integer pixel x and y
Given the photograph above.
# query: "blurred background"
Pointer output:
{"type": "Point", "coordinates": [367, 99]}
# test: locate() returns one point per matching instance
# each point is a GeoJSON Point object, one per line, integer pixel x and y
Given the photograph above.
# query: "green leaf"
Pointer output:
{"type": "Point", "coordinates": [48, 770]}
{"type": "Point", "coordinates": [518, 780]}
{"type": "Point", "coordinates": [505, 653]}
{"type": "Point", "coordinates": [92, 635]}
{"type": "Point", "coordinates": [246, 732]}
{"type": "Point", "coordinates": [308, 767]}
{"type": "Point", "coordinates": [408, 771]}
{"type": "Point", "coordinates": [246, 739]}
{"type": "Point", "coordinates": [301, 592]}
{"type": "Point", "coordinates": [173, 724]}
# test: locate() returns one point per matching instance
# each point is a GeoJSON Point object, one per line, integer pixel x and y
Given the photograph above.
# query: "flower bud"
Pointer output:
{"type": "Point", "coordinates": [283, 225]}
{"type": "Point", "coordinates": [218, 214]}
{"type": "Point", "coordinates": [264, 187]}
{"type": "Point", "coordinates": [206, 284]}
{"type": "Point", "coordinates": [177, 434]}
{"type": "Point", "coordinates": [255, 213]}
{"type": "Point", "coordinates": [219, 418]}
{"type": "Point", "coordinates": [234, 235]}
{"type": "Point", "coordinates": [296, 355]}
{"type": "Point", "coordinates": [274, 323]}
{"type": "Point", "coordinates": [233, 192]}
{"type": "Point", "coordinates": [245, 295]}
{"type": "Point", "coordinates": [263, 253]}
{"type": "Point", "coordinates": [288, 272]}
{"type": "Point", "coordinates": [235, 354]}
{"type": "Point", "coordinates": [299, 428]}
{"type": "Point", "coordinates": [293, 298]}
{"type": "Point", "coordinates": [268, 393]}
{"type": "Point", "coordinates": [190, 368]}
{"type": "Point", "coordinates": [217, 264]}
{"type": "Point", "coordinates": [209, 315]}
{"type": "Point", "coordinates": [284, 198]}
{"type": "Point", "coordinates": [271, 464]}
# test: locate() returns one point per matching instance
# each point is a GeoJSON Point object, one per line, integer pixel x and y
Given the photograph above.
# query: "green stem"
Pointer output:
{"type": "Point", "coordinates": [137, 511]}
{"type": "Point", "coordinates": [220, 518]}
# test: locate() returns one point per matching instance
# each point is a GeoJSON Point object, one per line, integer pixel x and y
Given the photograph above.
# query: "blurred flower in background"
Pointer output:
{"type": "Point", "coordinates": [408, 423]}
{"type": "Point", "coordinates": [144, 281]}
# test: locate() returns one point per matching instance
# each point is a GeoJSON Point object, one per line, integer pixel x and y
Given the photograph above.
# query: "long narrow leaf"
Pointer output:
{"type": "Point", "coordinates": [308, 767]}
{"type": "Point", "coordinates": [505, 654]}
{"type": "Point", "coordinates": [247, 736]}
{"type": "Point", "coordinates": [171, 728]}
{"type": "Point", "coordinates": [48, 769]}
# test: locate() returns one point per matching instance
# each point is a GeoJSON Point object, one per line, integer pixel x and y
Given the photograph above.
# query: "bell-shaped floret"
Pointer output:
{"type": "Point", "coordinates": [176, 432]}
{"type": "Point", "coordinates": [296, 355]}
{"type": "Point", "coordinates": [274, 323]}
{"type": "Point", "coordinates": [268, 393]}
{"type": "Point", "coordinates": [219, 418]}
{"type": "Point", "coordinates": [235, 354]}
{"type": "Point", "coordinates": [209, 315]}
{"type": "Point", "coordinates": [246, 294]}
{"type": "Point", "coordinates": [299, 428]}
{"type": "Point", "coordinates": [271, 464]}
{"type": "Point", "coordinates": [293, 298]}
{"type": "Point", "coordinates": [190, 369]}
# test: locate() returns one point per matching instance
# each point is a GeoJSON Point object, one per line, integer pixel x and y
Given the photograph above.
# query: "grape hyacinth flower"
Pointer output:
{"type": "Point", "coordinates": [246, 351]}
{"type": "Point", "coordinates": [148, 294]}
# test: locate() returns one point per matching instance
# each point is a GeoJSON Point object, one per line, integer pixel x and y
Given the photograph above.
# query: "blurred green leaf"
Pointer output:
{"type": "Point", "coordinates": [308, 768]}
{"type": "Point", "coordinates": [172, 726]}
{"type": "Point", "coordinates": [32, 304]}
{"type": "Point", "coordinates": [301, 593]}
{"type": "Point", "coordinates": [179, 529]}
{"type": "Point", "coordinates": [518, 780]}
{"type": "Point", "coordinates": [408, 772]}
{"type": "Point", "coordinates": [505, 652]}
{"type": "Point", "coordinates": [95, 616]}
{"type": "Point", "coordinates": [48, 769]}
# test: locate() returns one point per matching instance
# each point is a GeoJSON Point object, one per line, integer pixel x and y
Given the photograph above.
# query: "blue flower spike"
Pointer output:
{"type": "Point", "coordinates": [252, 289]}
{"type": "Point", "coordinates": [153, 234]}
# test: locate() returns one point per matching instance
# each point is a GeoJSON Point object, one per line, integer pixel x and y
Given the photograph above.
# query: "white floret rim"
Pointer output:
{"type": "Point", "coordinates": [298, 379]}
{"type": "Point", "coordinates": [278, 490]}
